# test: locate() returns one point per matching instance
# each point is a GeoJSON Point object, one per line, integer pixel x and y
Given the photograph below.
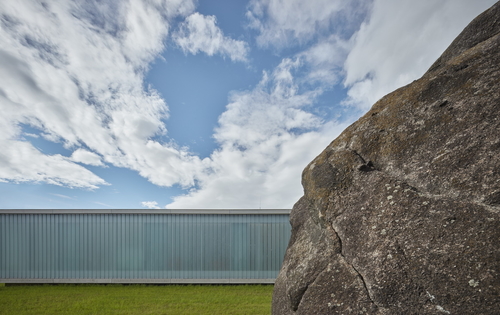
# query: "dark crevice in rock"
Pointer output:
{"type": "Point", "coordinates": [443, 103]}
{"type": "Point", "coordinates": [366, 166]}
{"type": "Point", "coordinates": [302, 292]}
{"type": "Point", "coordinates": [359, 156]}
{"type": "Point", "coordinates": [460, 67]}
{"type": "Point", "coordinates": [352, 266]}
{"type": "Point", "coordinates": [295, 306]}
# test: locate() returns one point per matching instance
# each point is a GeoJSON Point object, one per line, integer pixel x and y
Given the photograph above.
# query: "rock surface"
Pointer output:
{"type": "Point", "coordinates": [401, 213]}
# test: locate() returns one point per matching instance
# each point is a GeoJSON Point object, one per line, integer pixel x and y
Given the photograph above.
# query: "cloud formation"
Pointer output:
{"type": "Point", "coordinates": [266, 137]}
{"type": "Point", "coordinates": [284, 23]}
{"type": "Point", "coordinates": [199, 33]}
{"type": "Point", "coordinates": [53, 81]}
{"type": "Point", "coordinates": [399, 42]}
{"type": "Point", "coordinates": [150, 205]}
{"type": "Point", "coordinates": [86, 157]}
{"type": "Point", "coordinates": [21, 162]}
{"type": "Point", "coordinates": [75, 75]}
{"type": "Point", "coordinates": [261, 153]}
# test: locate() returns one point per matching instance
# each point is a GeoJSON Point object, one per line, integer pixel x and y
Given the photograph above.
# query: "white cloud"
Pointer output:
{"type": "Point", "coordinates": [265, 176]}
{"type": "Point", "coordinates": [74, 71]}
{"type": "Point", "coordinates": [325, 60]}
{"type": "Point", "coordinates": [86, 157]}
{"type": "Point", "coordinates": [150, 204]}
{"type": "Point", "coordinates": [287, 22]}
{"type": "Point", "coordinates": [393, 42]}
{"type": "Point", "coordinates": [273, 107]}
{"type": "Point", "coordinates": [21, 162]}
{"type": "Point", "coordinates": [400, 41]}
{"type": "Point", "coordinates": [200, 33]}
{"type": "Point", "coordinates": [266, 138]}
{"type": "Point", "coordinates": [261, 155]}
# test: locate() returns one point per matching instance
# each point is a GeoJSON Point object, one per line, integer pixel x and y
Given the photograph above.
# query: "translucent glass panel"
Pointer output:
{"type": "Point", "coordinates": [142, 246]}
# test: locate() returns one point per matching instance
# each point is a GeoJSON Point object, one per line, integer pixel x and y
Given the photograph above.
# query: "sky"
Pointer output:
{"type": "Point", "coordinates": [187, 104]}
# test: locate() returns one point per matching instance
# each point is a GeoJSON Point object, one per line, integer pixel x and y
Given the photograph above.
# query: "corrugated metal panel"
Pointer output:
{"type": "Point", "coordinates": [142, 246]}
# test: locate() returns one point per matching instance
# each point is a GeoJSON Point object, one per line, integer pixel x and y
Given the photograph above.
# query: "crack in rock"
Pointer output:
{"type": "Point", "coordinates": [352, 266]}
{"type": "Point", "coordinates": [302, 292]}
{"type": "Point", "coordinates": [359, 156]}
{"type": "Point", "coordinates": [366, 166]}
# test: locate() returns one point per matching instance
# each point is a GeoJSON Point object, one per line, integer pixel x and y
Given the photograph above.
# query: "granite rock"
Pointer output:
{"type": "Point", "coordinates": [401, 213]}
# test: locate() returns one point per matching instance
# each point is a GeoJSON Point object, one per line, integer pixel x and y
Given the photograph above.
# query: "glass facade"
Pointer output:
{"type": "Point", "coordinates": [152, 247]}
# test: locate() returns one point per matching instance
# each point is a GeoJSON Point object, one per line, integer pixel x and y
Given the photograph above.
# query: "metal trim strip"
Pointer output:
{"type": "Point", "coordinates": [145, 211]}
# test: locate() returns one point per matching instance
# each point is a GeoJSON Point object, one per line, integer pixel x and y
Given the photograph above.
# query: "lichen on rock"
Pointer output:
{"type": "Point", "coordinates": [401, 213]}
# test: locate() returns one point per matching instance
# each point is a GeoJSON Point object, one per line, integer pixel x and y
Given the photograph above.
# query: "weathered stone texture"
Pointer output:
{"type": "Point", "coordinates": [401, 213]}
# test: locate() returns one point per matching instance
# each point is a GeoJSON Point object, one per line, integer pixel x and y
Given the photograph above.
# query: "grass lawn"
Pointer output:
{"type": "Point", "coordinates": [135, 299]}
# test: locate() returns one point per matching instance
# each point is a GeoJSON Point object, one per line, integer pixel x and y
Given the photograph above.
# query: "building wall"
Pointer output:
{"type": "Point", "coordinates": [127, 246]}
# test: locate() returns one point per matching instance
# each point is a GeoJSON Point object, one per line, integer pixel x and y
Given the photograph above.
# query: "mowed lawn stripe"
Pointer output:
{"type": "Point", "coordinates": [135, 299]}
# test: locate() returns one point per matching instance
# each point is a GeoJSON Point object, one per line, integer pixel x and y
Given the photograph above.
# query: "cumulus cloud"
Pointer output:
{"type": "Point", "coordinates": [286, 22]}
{"type": "Point", "coordinates": [266, 176]}
{"type": "Point", "coordinates": [75, 73]}
{"type": "Point", "coordinates": [384, 44]}
{"type": "Point", "coordinates": [261, 153]}
{"type": "Point", "coordinates": [56, 85]}
{"type": "Point", "coordinates": [150, 204]}
{"type": "Point", "coordinates": [399, 42]}
{"type": "Point", "coordinates": [266, 137]}
{"type": "Point", "coordinates": [200, 33]}
{"type": "Point", "coordinates": [21, 162]}
{"type": "Point", "coordinates": [325, 60]}
{"type": "Point", "coordinates": [83, 156]}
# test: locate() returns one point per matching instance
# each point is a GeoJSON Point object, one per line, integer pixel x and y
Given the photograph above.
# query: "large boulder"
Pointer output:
{"type": "Point", "coordinates": [401, 212]}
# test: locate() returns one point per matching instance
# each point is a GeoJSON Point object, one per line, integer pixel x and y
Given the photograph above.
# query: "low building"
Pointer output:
{"type": "Point", "coordinates": [142, 246]}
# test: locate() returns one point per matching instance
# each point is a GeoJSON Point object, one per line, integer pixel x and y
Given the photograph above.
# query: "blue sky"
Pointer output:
{"type": "Point", "coordinates": [196, 104]}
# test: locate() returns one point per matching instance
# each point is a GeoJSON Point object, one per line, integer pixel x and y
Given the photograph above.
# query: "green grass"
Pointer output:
{"type": "Point", "coordinates": [135, 299]}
